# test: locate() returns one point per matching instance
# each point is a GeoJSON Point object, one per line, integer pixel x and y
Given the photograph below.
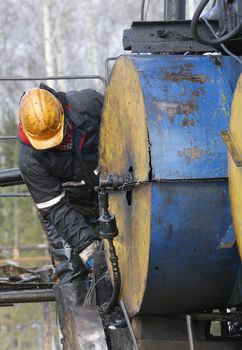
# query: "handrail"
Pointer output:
{"type": "Point", "coordinates": [61, 77]}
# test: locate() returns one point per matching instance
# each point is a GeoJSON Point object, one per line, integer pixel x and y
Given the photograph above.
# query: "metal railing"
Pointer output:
{"type": "Point", "coordinates": [62, 77]}
{"type": "Point", "coordinates": [107, 67]}
{"type": "Point", "coordinates": [39, 78]}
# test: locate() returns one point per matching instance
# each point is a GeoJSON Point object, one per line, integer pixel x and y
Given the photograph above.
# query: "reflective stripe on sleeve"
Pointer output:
{"type": "Point", "coordinates": [51, 202]}
{"type": "Point", "coordinates": [73, 184]}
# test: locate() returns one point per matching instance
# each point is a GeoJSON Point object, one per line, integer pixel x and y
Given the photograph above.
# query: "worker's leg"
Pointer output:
{"type": "Point", "coordinates": [67, 263]}
{"type": "Point", "coordinates": [69, 272]}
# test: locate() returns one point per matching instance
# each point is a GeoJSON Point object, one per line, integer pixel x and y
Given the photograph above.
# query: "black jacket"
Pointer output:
{"type": "Point", "coordinates": [61, 180]}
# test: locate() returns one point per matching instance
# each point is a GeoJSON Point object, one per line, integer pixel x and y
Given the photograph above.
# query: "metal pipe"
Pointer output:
{"type": "Point", "coordinates": [142, 15]}
{"type": "Point", "coordinates": [15, 195]}
{"type": "Point", "coordinates": [175, 10]}
{"type": "Point", "coordinates": [221, 317]}
{"type": "Point", "coordinates": [107, 66]}
{"type": "Point", "coordinates": [26, 259]}
{"type": "Point", "coordinates": [126, 316]}
{"type": "Point", "coordinates": [10, 177]}
{"type": "Point", "coordinates": [116, 278]}
{"type": "Point", "coordinates": [189, 331]}
{"type": "Point", "coordinates": [62, 77]}
{"type": "Point", "coordinates": [27, 296]}
{"type": "Point", "coordinates": [25, 248]}
{"type": "Point", "coordinates": [8, 138]}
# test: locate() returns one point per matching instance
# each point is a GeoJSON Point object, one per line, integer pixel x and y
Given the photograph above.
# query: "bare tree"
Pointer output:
{"type": "Point", "coordinates": [47, 38]}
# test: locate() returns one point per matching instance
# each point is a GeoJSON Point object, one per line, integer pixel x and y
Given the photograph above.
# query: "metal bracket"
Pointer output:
{"type": "Point", "coordinates": [232, 148]}
{"type": "Point", "coordinates": [114, 182]}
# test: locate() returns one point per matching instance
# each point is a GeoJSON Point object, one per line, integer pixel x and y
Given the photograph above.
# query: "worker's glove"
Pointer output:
{"type": "Point", "coordinates": [87, 255]}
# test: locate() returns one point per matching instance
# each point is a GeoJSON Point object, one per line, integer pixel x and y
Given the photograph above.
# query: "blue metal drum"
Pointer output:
{"type": "Point", "coordinates": [176, 246]}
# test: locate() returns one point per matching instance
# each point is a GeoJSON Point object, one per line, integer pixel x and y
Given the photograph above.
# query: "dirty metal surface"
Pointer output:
{"type": "Point", "coordinates": [166, 37]}
{"type": "Point", "coordinates": [154, 344]}
{"type": "Point", "coordinates": [235, 172]}
{"type": "Point", "coordinates": [168, 333]}
{"type": "Point", "coordinates": [188, 102]}
{"type": "Point", "coordinates": [33, 295]}
{"type": "Point", "coordinates": [25, 285]}
{"type": "Point", "coordinates": [84, 330]}
{"type": "Point", "coordinates": [120, 339]}
{"type": "Point", "coordinates": [15, 275]}
{"type": "Point", "coordinates": [169, 231]}
{"type": "Point", "coordinates": [124, 146]}
{"type": "Point", "coordinates": [13, 286]}
{"type": "Point", "coordinates": [187, 271]}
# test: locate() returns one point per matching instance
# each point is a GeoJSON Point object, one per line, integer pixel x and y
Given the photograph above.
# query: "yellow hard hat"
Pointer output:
{"type": "Point", "coordinates": [42, 118]}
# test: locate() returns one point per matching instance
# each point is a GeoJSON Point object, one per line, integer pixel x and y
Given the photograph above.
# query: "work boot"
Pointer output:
{"type": "Point", "coordinates": [68, 297]}
{"type": "Point", "coordinates": [67, 263]}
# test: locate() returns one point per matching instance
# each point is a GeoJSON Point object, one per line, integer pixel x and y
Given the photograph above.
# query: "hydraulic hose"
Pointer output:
{"type": "Point", "coordinates": [108, 230]}
{"type": "Point", "coordinates": [116, 279]}
{"type": "Point", "coordinates": [216, 41]}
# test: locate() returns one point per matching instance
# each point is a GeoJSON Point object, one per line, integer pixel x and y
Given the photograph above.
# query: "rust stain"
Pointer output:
{"type": "Point", "coordinates": [180, 67]}
{"type": "Point", "coordinates": [179, 77]}
{"type": "Point", "coordinates": [188, 65]}
{"type": "Point", "coordinates": [198, 92]}
{"type": "Point", "coordinates": [173, 109]}
{"type": "Point", "coordinates": [192, 153]}
{"type": "Point", "coordinates": [188, 122]}
{"type": "Point", "coordinates": [182, 72]}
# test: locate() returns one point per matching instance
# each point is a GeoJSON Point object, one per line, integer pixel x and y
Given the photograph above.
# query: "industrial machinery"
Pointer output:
{"type": "Point", "coordinates": [170, 204]}
{"type": "Point", "coordinates": [167, 123]}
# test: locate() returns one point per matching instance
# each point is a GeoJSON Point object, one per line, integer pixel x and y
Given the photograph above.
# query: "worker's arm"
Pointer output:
{"type": "Point", "coordinates": [53, 203]}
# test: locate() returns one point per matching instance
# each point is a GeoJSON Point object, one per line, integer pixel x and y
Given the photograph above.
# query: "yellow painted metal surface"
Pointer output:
{"type": "Point", "coordinates": [124, 145]}
{"type": "Point", "coordinates": [235, 172]}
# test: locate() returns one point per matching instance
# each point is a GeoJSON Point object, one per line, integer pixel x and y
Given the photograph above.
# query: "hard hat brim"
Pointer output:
{"type": "Point", "coordinates": [48, 142]}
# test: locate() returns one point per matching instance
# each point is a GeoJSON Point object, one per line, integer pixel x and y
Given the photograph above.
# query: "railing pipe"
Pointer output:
{"type": "Point", "coordinates": [10, 177]}
{"type": "Point", "coordinates": [175, 10]}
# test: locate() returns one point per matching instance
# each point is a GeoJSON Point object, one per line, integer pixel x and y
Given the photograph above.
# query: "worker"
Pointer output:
{"type": "Point", "coordinates": [58, 159]}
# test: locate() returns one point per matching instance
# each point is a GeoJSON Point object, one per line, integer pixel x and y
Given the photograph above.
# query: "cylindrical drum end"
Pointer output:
{"type": "Point", "coordinates": [124, 148]}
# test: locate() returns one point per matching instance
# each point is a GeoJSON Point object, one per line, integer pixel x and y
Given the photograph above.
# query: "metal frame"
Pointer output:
{"type": "Point", "coordinates": [27, 296]}
{"type": "Point", "coordinates": [14, 195]}
{"type": "Point", "coordinates": [172, 37]}
{"type": "Point", "coordinates": [61, 77]}
{"type": "Point", "coordinates": [190, 332]}
{"type": "Point", "coordinates": [106, 66]}
{"type": "Point", "coordinates": [8, 138]}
